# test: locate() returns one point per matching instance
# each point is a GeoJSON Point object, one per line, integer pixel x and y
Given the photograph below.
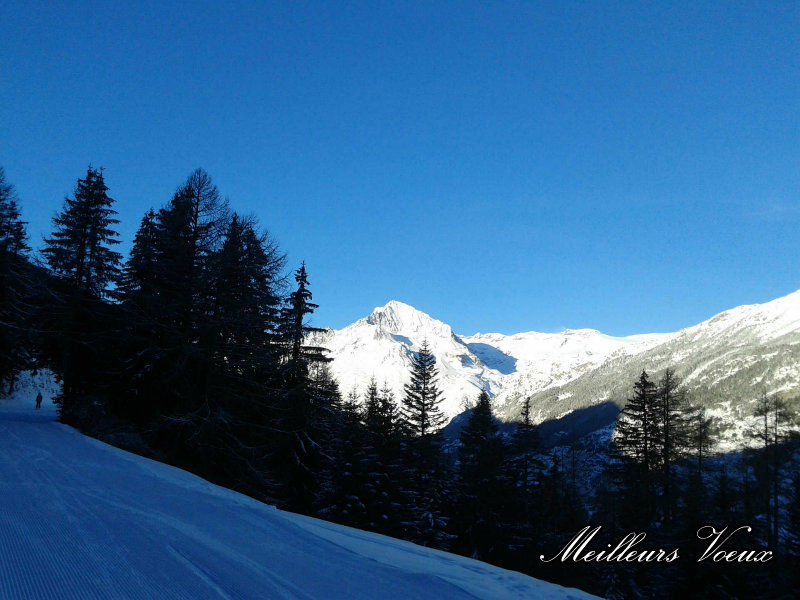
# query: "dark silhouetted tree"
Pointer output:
{"type": "Point", "coordinates": [79, 253]}
{"type": "Point", "coordinates": [15, 289]}
{"type": "Point", "coordinates": [484, 490]}
{"type": "Point", "coordinates": [422, 416]}
{"type": "Point", "coordinates": [299, 456]}
{"type": "Point", "coordinates": [80, 248]}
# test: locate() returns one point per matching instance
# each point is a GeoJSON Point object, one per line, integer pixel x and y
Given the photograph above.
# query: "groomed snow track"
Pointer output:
{"type": "Point", "coordinates": [81, 520]}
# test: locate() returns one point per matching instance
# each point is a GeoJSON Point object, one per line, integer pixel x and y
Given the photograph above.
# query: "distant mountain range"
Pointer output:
{"type": "Point", "coordinates": [725, 362]}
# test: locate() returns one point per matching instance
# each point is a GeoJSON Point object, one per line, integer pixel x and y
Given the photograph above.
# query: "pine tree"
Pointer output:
{"type": "Point", "coordinates": [13, 238]}
{"type": "Point", "coordinates": [347, 498]}
{"type": "Point", "coordinates": [483, 489]}
{"type": "Point", "coordinates": [774, 431]}
{"type": "Point", "coordinates": [80, 247]}
{"type": "Point", "coordinates": [696, 505]}
{"type": "Point", "coordinates": [561, 510]}
{"type": "Point", "coordinates": [245, 274]}
{"type": "Point", "coordinates": [238, 338]}
{"type": "Point", "coordinates": [299, 455]}
{"type": "Point", "coordinates": [478, 450]}
{"type": "Point", "coordinates": [526, 470]}
{"type": "Point", "coordinates": [168, 288]}
{"type": "Point", "coordinates": [672, 433]}
{"type": "Point", "coordinates": [293, 327]}
{"type": "Point", "coordinates": [422, 416]}
{"type": "Point", "coordinates": [15, 286]}
{"type": "Point", "coordinates": [423, 469]}
{"type": "Point", "coordinates": [702, 434]}
{"type": "Point", "coordinates": [372, 406]}
{"type": "Point", "coordinates": [636, 437]}
{"type": "Point", "coordinates": [142, 303]}
{"type": "Point", "coordinates": [139, 275]}
{"type": "Point", "coordinates": [637, 431]}
{"type": "Point", "coordinates": [190, 232]}
{"type": "Point", "coordinates": [79, 252]}
{"type": "Point", "coordinates": [524, 445]}
{"type": "Point", "coordinates": [386, 507]}
{"type": "Point", "coordinates": [387, 423]}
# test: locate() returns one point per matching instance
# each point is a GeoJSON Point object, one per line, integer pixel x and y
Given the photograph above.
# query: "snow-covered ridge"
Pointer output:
{"type": "Point", "coordinates": [560, 365]}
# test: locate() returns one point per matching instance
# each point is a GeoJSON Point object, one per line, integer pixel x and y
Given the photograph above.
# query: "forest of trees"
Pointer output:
{"type": "Point", "coordinates": [195, 351]}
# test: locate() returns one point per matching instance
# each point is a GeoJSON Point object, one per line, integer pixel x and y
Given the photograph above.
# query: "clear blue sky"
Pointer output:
{"type": "Point", "coordinates": [504, 166]}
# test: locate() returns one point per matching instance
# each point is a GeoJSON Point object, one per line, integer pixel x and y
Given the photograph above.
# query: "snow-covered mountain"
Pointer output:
{"type": "Point", "coordinates": [726, 361]}
{"type": "Point", "coordinates": [381, 345]}
{"type": "Point", "coordinates": [81, 519]}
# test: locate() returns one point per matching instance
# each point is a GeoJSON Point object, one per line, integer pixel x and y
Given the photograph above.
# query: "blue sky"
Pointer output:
{"type": "Point", "coordinates": [504, 166]}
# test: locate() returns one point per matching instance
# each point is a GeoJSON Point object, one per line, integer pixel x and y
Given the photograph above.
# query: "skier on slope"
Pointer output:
{"type": "Point", "coordinates": [39, 400]}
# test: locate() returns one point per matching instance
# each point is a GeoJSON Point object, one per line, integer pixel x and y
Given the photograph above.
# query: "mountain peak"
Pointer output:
{"type": "Point", "coordinates": [396, 306]}
{"type": "Point", "coordinates": [399, 317]}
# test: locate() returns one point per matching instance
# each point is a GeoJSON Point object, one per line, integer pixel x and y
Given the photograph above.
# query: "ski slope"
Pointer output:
{"type": "Point", "coordinates": [81, 520]}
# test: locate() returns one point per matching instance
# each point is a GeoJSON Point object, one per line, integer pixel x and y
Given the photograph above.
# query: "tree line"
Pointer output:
{"type": "Point", "coordinates": [195, 350]}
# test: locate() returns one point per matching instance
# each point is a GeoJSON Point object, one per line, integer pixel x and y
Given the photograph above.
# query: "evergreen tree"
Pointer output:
{"type": "Point", "coordinates": [773, 433]}
{"type": "Point", "coordinates": [637, 429]}
{"type": "Point", "coordinates": [190, 232]}
{"type": "Point", "coordinates": [15, 286]}
{"type": "Point", "coordinates": [386, 509]}
{"type": "Point", "coordinates": [526, 469]}
{"type": "Point", "coordinates": [245, 275]}
{"type": "Point", "coordinates": [346, 500]}
{"type": "Point", "coordinates": [13, 238]}
{"type": "Point", "coordinates": [636, 437]}
{"type": "Point", "coordinates": [561, 511]}
{"type": "Point", "coordinates": [387, 423]}
{"type": "Point", "coordinates": [139, 275]}
{"type": "Point", "coordinates": [372, 406]}
{"type": "Point", "coordinates": [524, 446]}
{"type": "Point", "coordinates": [299, 455]}
{"type": "Point", "coordinates": [239, 338]}
{"type": "Point", "coordinates": [672, 434]}
{"type": "Point", "coordinates": [484, 490]}
{"type": "Point", "coordinates": [80, 247]}
{"type": "Point", "coordinates": [140, 293]}
{"type": "Point", "coordinates": [698, 506]}
{"type": "Point", "coordinates": [702, 434]}
{"type": "Point", "coordinates": [423, 469]}
{"type": "Point", "coordinates": [328, 398]}
{"type": "Point", "coordinates": [422, 416]}
{"type": "Point", "coordinates": [293, 327]}
{"type": "Point", "coordinates": [79, 252]}
{"type": "Point", "coordinates": [169, 285]}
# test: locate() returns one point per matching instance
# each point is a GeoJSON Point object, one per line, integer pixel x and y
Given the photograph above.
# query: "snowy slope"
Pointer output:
{"type": "Point", "coordinates": [726, 363]}
{"type": "Point", "coordinates": [82, 520]}
{"type": "Point", "coordinates": [546, 360]}
{"type": "Point", "coordinates": [730, 358]}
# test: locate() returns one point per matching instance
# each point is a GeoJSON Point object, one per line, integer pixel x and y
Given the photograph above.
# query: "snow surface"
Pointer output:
{"type": "Point", "coordinates": [81, 520]}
